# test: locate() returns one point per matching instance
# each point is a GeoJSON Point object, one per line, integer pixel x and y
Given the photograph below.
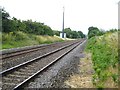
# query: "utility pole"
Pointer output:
{"type": "Point", "coordinates": [63, 24]}
{"type": "Point", "coordinates": [119, 15]}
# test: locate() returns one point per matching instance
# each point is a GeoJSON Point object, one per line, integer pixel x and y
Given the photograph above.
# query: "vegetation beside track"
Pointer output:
{"type": "Point", "coordinates": [20, 39]}
{"type": "Point", "coordinates": [104, 50]}
{"type": "Point", "coordinates": [19, 33]}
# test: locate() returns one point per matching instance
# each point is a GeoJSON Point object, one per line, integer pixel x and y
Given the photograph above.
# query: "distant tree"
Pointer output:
{"type": "Point", "coordinates": [13, 24]}
{"type": "Point", "coordinates": [112, 30]}
{"type": "Point", "coordinates": [73, 34]}
{"type": "Point", "coordinates": [68, 32]}
{"type": "Point", "coordinates": [57, 33]}
{"type": "Point", "coordinates": [48, 30]}
{"type": "Point", "coordinates": [6, 23]}
{"type": "Point", "coordinates": [5, 15]}
{"type": "Point", "coordinates": [93, 31]}
{"type": "Point", "coordinates": [81, 34]}
{"type": "Point", "coordinates": [21, 26]}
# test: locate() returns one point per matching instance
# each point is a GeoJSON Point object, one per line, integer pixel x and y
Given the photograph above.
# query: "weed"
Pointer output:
{"type": "Point", "coordinates": [20, 39]}
{"type": "Point", "coordinates": [104, 51]}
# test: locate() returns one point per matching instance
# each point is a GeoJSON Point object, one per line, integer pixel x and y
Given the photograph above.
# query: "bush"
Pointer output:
{"type": "Point", "coordinates": [20, 39]}
{"type": "Point", "coordinates": [104, 51]}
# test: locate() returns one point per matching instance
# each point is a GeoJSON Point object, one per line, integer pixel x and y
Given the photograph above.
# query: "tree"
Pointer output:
{"type": "Point", "coordinates": [6, 23]}
{"type": "Point", "coordinates": [57, 33]}
{"type": "Point", "coordinates": [48, 30]}
{"type": "Point", "coordinates": [93, 31]}
{"type": "Point", "coordinates": [68, 32]}
{"type": "Point", "coordinates": [5, 15]}
{"type": "Point", "coordinates": [33, 27]}
{"type": "Point", "coordinates": [73, 34]}
{"type": "Point", "coordinates": [81, 34]}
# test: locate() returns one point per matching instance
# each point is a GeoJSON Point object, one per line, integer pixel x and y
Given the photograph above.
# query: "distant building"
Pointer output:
{"type": "Point", "coordinates": [119, 15]}
{"type": "Point", "coordinates": [64, 35]}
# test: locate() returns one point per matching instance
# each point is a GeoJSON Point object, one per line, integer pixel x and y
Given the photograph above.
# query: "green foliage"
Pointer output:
{"type": "Point", "coordinates": [115, 77]}
{"type": "Point", "coordinates": [57, 33]}
{"type": "Point", "coordinates": [81, 34]}
{"type": "Point", "coordinates": [33, 27]}
{"type": "Point", "coordinates": [13, 25]}
{"type": "Point", "coordinates": [111, 31]}
{"type": "Point", "coordinates": [5, 15]}
{"type": "Point", "coordinates": [20, 39]}
{"type": "Point", "coordinates": [94, 31]}
{"type": "Point", "coordinates": [73, 34]}
{"type": "Point", "coordinates": [104, 51]}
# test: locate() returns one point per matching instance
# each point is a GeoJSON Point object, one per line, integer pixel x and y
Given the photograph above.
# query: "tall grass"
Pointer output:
{"type": "Point", "coordinates": [0, 40]}
{"type": "Point", "coordinates": [104, 51]}
{"type": "Point", "coordinates": [20, 39]}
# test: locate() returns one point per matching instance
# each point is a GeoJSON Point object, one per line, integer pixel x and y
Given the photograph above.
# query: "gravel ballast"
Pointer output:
{"type": "Point", "coordinates": [24, 72]}
{"type": "Point", "coordinates": [60, 71]}
{"type": "Point", "coordinates": [16, 60]}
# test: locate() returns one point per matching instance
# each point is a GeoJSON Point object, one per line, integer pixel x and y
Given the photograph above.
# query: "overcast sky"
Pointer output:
{"type": "Point", "coordinates": [79, 14]}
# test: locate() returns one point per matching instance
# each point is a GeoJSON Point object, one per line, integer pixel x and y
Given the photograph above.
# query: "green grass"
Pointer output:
{"type": "Point", "coordinates": [20, 39]}
{"type": "Point", "coordinates": [104, 51]}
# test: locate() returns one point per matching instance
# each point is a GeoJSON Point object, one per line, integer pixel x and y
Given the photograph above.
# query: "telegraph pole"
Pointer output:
{"type": "Point", "coordinates": [63, 24]}
{"type": "Point", "coordinates": [119, 15]}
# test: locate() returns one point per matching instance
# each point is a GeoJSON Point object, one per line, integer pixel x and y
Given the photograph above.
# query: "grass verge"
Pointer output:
{"type": "Point", "coordinates": [104, 50]}
{"type": "Point", "coordinates": [20, 39]}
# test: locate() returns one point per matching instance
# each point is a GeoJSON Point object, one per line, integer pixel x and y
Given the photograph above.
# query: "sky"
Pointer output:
{"type": "Point", "coordinates": [79, 14]}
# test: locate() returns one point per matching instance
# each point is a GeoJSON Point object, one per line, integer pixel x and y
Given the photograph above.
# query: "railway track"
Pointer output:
{"type": "Point", "coordinates": [24, 50]}
{"type": "Point", "coordinates": [14, 58]}
{"type": "Point", "coordinates": [15, 77]}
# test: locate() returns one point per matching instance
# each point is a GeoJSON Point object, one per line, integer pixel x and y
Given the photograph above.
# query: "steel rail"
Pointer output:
{"type": "Point", "coordinates": [23, 51]}
{"type": "Point", "coordinates": [19, 52]}
{"type": "Point", "coordinates": [32, 60]}
{"type": "Point", "coordinates": [47, 66]}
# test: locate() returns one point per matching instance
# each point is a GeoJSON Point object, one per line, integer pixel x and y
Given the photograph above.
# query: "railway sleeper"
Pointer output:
{"type": "Point", "coordinates": [9, 79]}
{"type": "Point", "coordinates": [20, 73]}
{"type": "Point", "coordinates": [8, 85]}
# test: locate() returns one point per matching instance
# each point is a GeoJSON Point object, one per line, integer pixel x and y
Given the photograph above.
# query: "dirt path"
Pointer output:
{"type": "Point", "coordinates": [83, 79]}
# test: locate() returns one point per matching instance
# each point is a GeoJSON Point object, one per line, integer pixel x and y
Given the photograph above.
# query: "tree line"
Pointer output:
{"type": "Point", "coordinates": [32, 27]}
{"type": "Point", "coordinates": [94, 31]}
